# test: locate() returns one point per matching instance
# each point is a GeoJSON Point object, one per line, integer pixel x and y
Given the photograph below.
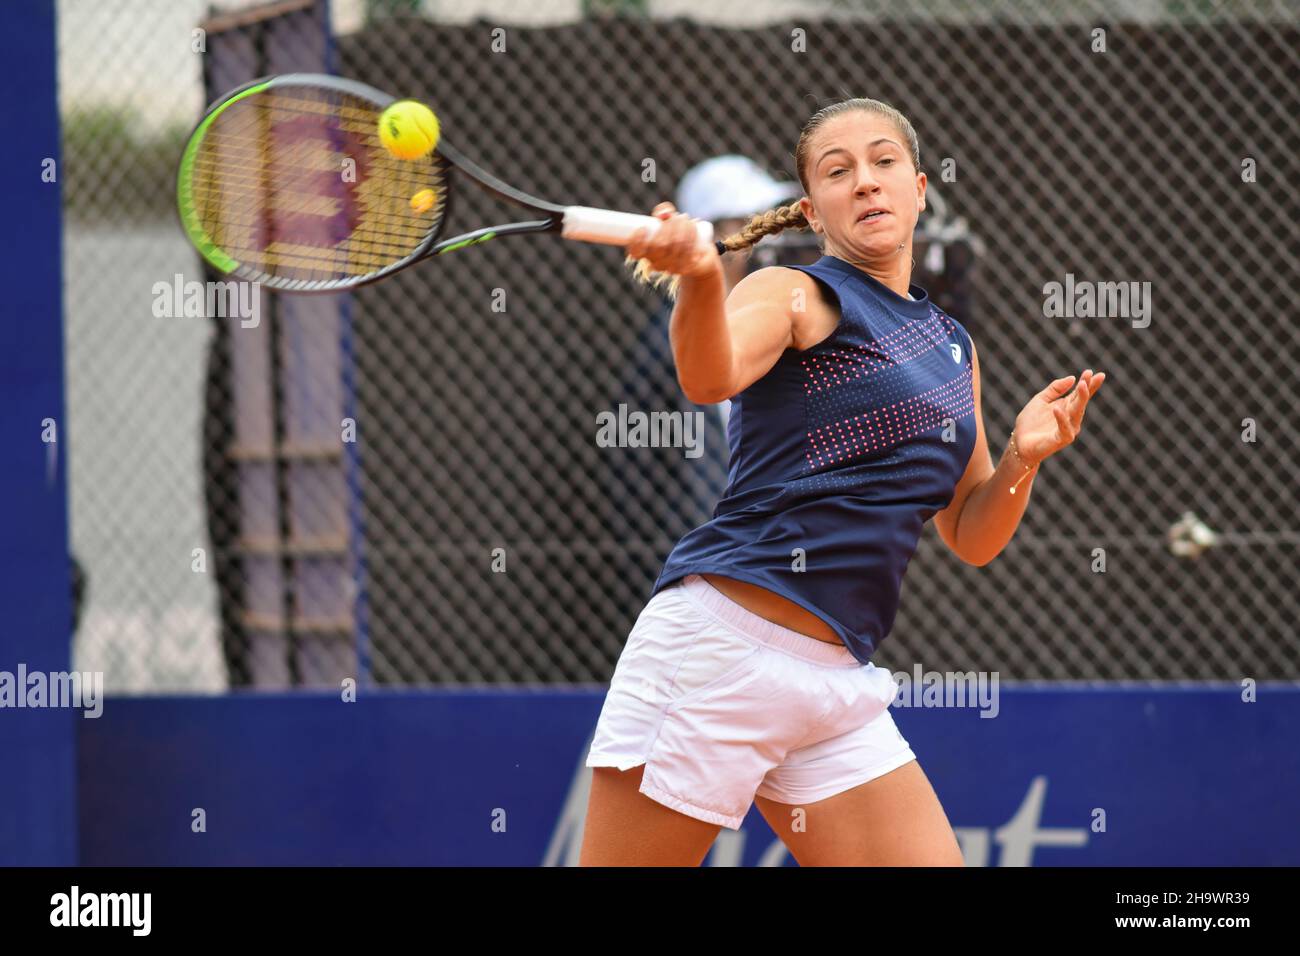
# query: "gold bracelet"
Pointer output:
{"type": "Point", "coordinates": [1030, 470]}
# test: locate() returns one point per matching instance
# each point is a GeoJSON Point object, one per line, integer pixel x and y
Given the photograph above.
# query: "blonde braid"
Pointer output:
{"type": "Point", "coordinates": [767, 224]}
{"type": "Point", "coordinates": [764, 224]}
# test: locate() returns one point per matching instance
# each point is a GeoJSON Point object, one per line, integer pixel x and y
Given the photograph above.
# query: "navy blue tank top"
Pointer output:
{"type": "Point", "coordinates": [839, 455]}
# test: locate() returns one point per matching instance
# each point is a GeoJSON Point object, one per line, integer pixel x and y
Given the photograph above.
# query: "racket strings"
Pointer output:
{"type": "Point", "coordinates": [288, 180]}
{"type": "Point", "coordinates": [272, 187]}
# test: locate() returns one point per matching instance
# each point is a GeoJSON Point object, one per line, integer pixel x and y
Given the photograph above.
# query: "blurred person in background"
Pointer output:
{"type": "Point", "coordinates": [661, 493]}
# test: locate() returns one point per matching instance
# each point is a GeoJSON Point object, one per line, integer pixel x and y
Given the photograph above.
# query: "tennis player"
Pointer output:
{"type": "Point", "coordinates": [855, 419]}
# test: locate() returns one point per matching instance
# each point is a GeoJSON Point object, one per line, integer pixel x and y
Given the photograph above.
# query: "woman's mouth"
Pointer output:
{"type": "Point", "coordinates": [873, 215]}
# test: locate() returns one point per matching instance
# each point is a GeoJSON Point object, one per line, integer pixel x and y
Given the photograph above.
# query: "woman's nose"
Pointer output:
{"type": "Point", "coordinates": [866, 182]}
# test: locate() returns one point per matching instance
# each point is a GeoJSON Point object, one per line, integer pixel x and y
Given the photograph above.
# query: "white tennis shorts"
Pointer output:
{"type": "Point", "coordinates": [721, 704]}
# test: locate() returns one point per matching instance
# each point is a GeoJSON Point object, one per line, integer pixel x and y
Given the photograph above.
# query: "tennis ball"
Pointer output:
{"type": "Point", "coordinates": [408, 129]}
{"type": "Point", "coordinates": [423, 200]}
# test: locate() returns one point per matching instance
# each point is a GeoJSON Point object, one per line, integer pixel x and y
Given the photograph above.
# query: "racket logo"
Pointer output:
{"type": "Point", "coordinates": [306, 180]}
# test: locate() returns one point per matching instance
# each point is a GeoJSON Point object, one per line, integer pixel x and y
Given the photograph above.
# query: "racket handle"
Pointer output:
{"type": "Point", "coordinates": [606, 226]}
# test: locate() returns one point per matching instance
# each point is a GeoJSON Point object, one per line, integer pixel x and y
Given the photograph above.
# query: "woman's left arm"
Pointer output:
{"type": "Point", "coordinates": [988, 502]}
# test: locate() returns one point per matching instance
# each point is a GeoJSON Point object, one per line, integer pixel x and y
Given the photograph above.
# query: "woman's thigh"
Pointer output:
{"type": "Point", "coordinates": [624, 827]}
{"type": "Point", "coordinates": [894, 820]}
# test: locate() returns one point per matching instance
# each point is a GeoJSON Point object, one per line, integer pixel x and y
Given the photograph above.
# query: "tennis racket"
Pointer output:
{"type": "Point", "coordinates": [285, 182]}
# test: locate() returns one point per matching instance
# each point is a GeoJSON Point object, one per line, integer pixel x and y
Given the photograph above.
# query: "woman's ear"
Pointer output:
{"type": "Point", "coordinates": [805, 206]}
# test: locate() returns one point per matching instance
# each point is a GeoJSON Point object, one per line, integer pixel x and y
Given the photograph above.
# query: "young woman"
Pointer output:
{"type": "Point", "coordinates": [855, 418]}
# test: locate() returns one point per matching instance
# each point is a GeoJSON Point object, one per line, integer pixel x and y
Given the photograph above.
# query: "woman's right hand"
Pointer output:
{"type": "Point", "coordinates": [676, 247]}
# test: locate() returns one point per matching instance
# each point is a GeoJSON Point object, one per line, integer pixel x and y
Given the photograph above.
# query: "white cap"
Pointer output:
{"type": "Point", "coordinates": [731, 187]}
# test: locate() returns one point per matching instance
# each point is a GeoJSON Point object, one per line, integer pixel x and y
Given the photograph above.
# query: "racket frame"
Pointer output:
{"type": "Point", "coordinates": [455, 162]}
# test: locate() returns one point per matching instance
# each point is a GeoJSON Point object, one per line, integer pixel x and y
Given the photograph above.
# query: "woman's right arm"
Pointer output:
{"type": "Point", "coordinates": [721, 346]}
{"type": "Point", "coordinates": [721, 343]}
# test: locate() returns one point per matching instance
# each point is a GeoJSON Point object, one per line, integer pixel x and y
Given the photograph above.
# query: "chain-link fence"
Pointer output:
{"type": "Point", "coordinates": [481, 533]}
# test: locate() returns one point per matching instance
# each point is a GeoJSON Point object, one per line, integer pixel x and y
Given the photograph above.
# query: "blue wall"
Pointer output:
{"type": "Point", "coordinates": [1185, 776]}
{"type": "Point", "coordinates": [36, 800]}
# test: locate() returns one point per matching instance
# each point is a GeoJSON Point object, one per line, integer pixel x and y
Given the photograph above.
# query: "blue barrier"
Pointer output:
{"type": "Point", "coordinates": [1184, 776]}
{"type": "Point", "coordinates": [36, 808]}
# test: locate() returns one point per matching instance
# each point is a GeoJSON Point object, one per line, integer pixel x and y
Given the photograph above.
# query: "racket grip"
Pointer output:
{"type": "Point", "coordinates": [606, 226]}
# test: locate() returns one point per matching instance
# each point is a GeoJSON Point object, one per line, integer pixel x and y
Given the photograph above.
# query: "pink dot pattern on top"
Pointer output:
{"type": "Point", "coordinates": [864, 399]}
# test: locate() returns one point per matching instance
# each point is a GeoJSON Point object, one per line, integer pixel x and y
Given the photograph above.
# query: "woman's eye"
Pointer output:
{"type": "Point", "coordinates": [888, 160]}
{"type": "Point", "coordinates": [836, 172]}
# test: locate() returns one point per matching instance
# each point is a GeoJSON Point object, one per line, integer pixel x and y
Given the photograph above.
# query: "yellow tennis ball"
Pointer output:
{"type": "Point", "coordinates": [423, 200]}
{"type": "Point", "coordinates": [408, 129]}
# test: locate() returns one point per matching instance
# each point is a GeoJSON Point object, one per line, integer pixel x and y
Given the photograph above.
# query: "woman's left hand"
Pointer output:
{"type": "Point", "coordinates": [1050, 422]}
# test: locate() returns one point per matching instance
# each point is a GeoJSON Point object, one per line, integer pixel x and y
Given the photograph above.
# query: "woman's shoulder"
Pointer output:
{"type": "Point", "coordinates": [771, 280]}
{"type": "Point", "coordinates": [947, 318]}
{"type": "Point", "coordinates": [811, 304]}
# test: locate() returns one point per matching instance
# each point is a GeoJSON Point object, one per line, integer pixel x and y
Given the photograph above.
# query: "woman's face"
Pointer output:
{"type": "Point", "coordinates": [858, 162]}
